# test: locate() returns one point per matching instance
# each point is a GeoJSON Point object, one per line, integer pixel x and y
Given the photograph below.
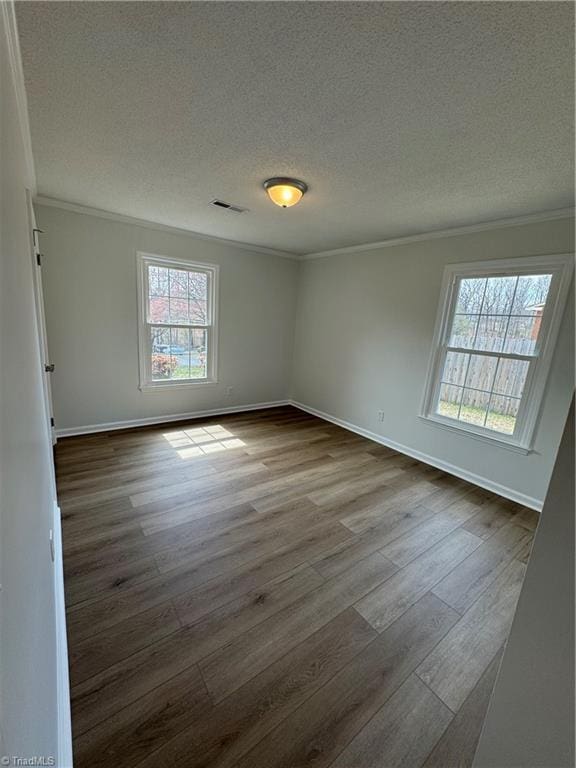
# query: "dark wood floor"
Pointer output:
{"type": "Point", "coordinates": [266, 589]}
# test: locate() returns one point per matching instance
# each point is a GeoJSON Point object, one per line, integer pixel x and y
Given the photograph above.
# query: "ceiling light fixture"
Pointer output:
{"type": "Point", "coordinates": [285, 192]}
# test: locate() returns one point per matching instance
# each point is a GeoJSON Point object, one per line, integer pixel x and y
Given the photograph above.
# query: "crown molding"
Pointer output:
{"type": "Point", "coordinates": [532, 218]}
{"type": "Point", "coordinates": [132, 220]}
{"type": "Point", "coordinates": [17, 74]}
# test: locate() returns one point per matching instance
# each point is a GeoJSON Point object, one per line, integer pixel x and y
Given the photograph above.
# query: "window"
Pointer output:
{"type": "Point", "coordinates": [493, 345]}
{"type": "Point", "coordinates": [177, 310]}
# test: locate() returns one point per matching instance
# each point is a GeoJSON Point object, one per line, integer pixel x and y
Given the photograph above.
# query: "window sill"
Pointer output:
{"type": "Point", "coordinates": [462, 430]}
{"type": "Point", "coordinates": [163, 386]}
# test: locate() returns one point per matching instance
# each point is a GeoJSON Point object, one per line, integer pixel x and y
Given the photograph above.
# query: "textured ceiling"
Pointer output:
{"type": "Point", "coordinates": [402, 117]}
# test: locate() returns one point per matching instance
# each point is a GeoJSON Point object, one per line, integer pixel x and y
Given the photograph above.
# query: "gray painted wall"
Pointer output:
{"type": "Point", "coordinates": [530, 720]}
{"type": "Point", "coordinates": [364, 328]}
{"type": "Point", "coordinates": [90, 292]}
{"type": "Point", "coordinates": [28, 708]}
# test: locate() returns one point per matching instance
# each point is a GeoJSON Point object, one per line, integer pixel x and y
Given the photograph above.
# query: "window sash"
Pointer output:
{"type": "Point", "coordinates": [459, 423]}
{"type": "Point", "coordinates": [176, 382]}
{"type": "Point", "coordinates": [147, 263]}
{"type": "Point", "coordinates": [560, 267]}
{"type": "Point", "coordinates": [455, 288]}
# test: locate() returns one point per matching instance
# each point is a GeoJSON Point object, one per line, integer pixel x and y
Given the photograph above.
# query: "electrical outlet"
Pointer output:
{"type": "Point", "coordinates": [380, 415]}
{"type": "Point", "coordinates": [229, 391]}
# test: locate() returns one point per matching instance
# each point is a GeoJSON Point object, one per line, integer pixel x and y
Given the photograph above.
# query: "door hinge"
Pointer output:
{"type": "Point", "coordinates": [49, 368]}
{"type": "Point", "coordinates": [40, 231]}
{"type": "Point", "coordinates": [51, 421]}
{"type": "Point", "coordinates": [39, 259]}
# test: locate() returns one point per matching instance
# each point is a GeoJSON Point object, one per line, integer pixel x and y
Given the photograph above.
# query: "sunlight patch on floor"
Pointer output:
{"type": "Point", "coordinates": [201, 441]}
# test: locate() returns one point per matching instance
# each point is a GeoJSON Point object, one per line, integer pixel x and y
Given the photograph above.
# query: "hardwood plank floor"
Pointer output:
{"type": "Point", "coordinates": [413, 709]}
{"type": "Point", "coordinates": [267, 590]}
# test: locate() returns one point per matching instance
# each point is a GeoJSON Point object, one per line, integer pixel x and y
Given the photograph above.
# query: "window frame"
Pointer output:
{"type": "Point", "coordinates": [560, 266]}
{"type": "Point", "coordinates": [146, 382]}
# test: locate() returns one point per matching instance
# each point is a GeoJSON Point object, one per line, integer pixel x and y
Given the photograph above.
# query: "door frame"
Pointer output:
{"type": "Point", "coordinates": [36, 257]}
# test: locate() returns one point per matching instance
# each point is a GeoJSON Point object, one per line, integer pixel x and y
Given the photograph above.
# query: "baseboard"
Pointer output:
{"type": "Point", "coordinates": [501, 490]}
{"type": "Point", "coordinates": [151, 420]}
{"type": "Point", "coordinates": [62, 680]}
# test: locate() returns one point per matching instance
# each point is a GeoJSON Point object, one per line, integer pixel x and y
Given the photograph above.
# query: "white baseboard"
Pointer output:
{"type": "Point", "coordinates": [62, 680]}
{"type": "Point", "coordinates": [151, 420]}
{"type": "Point", "coordinates": [464, 474]}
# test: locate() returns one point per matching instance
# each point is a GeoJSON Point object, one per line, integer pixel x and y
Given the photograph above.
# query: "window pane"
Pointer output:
{"type": "Point", "coordinates": [160, 340]}
{"type": "Point", "coordinates": [157, 281]}
{"type": "Point", "coordinates": [198, 296]}
{"type": "Point", "coordinates": [470, 295]}
{"type": "Point", "coordinates": [180, 351]}
{"type": "Point", "coordinates": [511, 377]}
{"type": "Point", "coordinates": [498, 296]}
{"type": "Point", "coordinates": [455, 368]}
{"type": "Point", "coordinates": [531, 295]}
{"type": "Point", "coordinates": [502, 414]}
{"type": "Point", "coordinates": [491, 332]}
{"type": "Point", "coordinates": [522, 335]}
{"type": "Point", "coordinates": [463, 331]}
{"type": "Point", "coordinates": [449, 401]}
{"type": "Point", "coordinates": [481, 372]}
{"type": "Point", "coordinates": [198, 349]}
{"type": "Point", "coordinates": [474, 407]}
{"type": "Point", "coordinates": [179, 311]}
{"type": "Point", "coordinates": [178, 283]}
{"type": "Point", "coordinates": [152, 281]}
{"type": "Point", "coordinates": [158, 306]}
{"type": "Point", "coordinates": [159, 309]}
{"type": "Point", "coordinates": [162, 362]}
{"type": "Point", "coordinates": [158, 297]}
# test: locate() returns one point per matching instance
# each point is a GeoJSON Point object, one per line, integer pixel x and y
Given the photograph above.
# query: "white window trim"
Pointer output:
{"type": "Point", "coordinates": [561, 267]}
{"type": "Point", "coordinates": [144, 353]}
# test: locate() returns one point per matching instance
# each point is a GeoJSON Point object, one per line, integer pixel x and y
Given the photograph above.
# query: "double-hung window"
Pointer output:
{"type": "Point", "coordinates": [177, 312]}
{"type": "Point", "coordinates": [494, 339]}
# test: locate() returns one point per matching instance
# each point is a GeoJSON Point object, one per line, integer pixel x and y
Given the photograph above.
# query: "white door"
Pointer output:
{"type": "Point", "coordinates": [47, 366]}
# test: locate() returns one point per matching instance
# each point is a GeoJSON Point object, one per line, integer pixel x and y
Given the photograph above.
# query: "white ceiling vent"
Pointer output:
{"type": "Point", "coordinates": [227, 206]}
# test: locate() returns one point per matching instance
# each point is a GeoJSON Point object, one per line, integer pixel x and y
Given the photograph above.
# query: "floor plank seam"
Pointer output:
{"type": "Point", "coordinates": [116, 712]}
{"type": "Point", "coordinates": [124, 660]}
{"type": "Point", "coordinates": [433, 692]}
{"type": "Point", "coordinates": [460, 613]}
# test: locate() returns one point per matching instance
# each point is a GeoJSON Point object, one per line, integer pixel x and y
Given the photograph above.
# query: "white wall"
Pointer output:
{"type": "Point", "coordinates": [530, 720]}
{"type": "Point", "coordinates": [28, 664]}
{"type": "Point", "coordinates": [89, 277]}
{"type": "Point", "coordinates": [364, 331]}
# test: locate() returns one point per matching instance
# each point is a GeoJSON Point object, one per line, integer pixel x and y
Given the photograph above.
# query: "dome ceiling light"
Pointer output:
{"type": "Point", "coordinates": [285, 192]}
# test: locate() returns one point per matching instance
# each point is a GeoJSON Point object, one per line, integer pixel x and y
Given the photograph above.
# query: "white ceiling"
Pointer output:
{"type": "Point", "coordinates": [402, 117]}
